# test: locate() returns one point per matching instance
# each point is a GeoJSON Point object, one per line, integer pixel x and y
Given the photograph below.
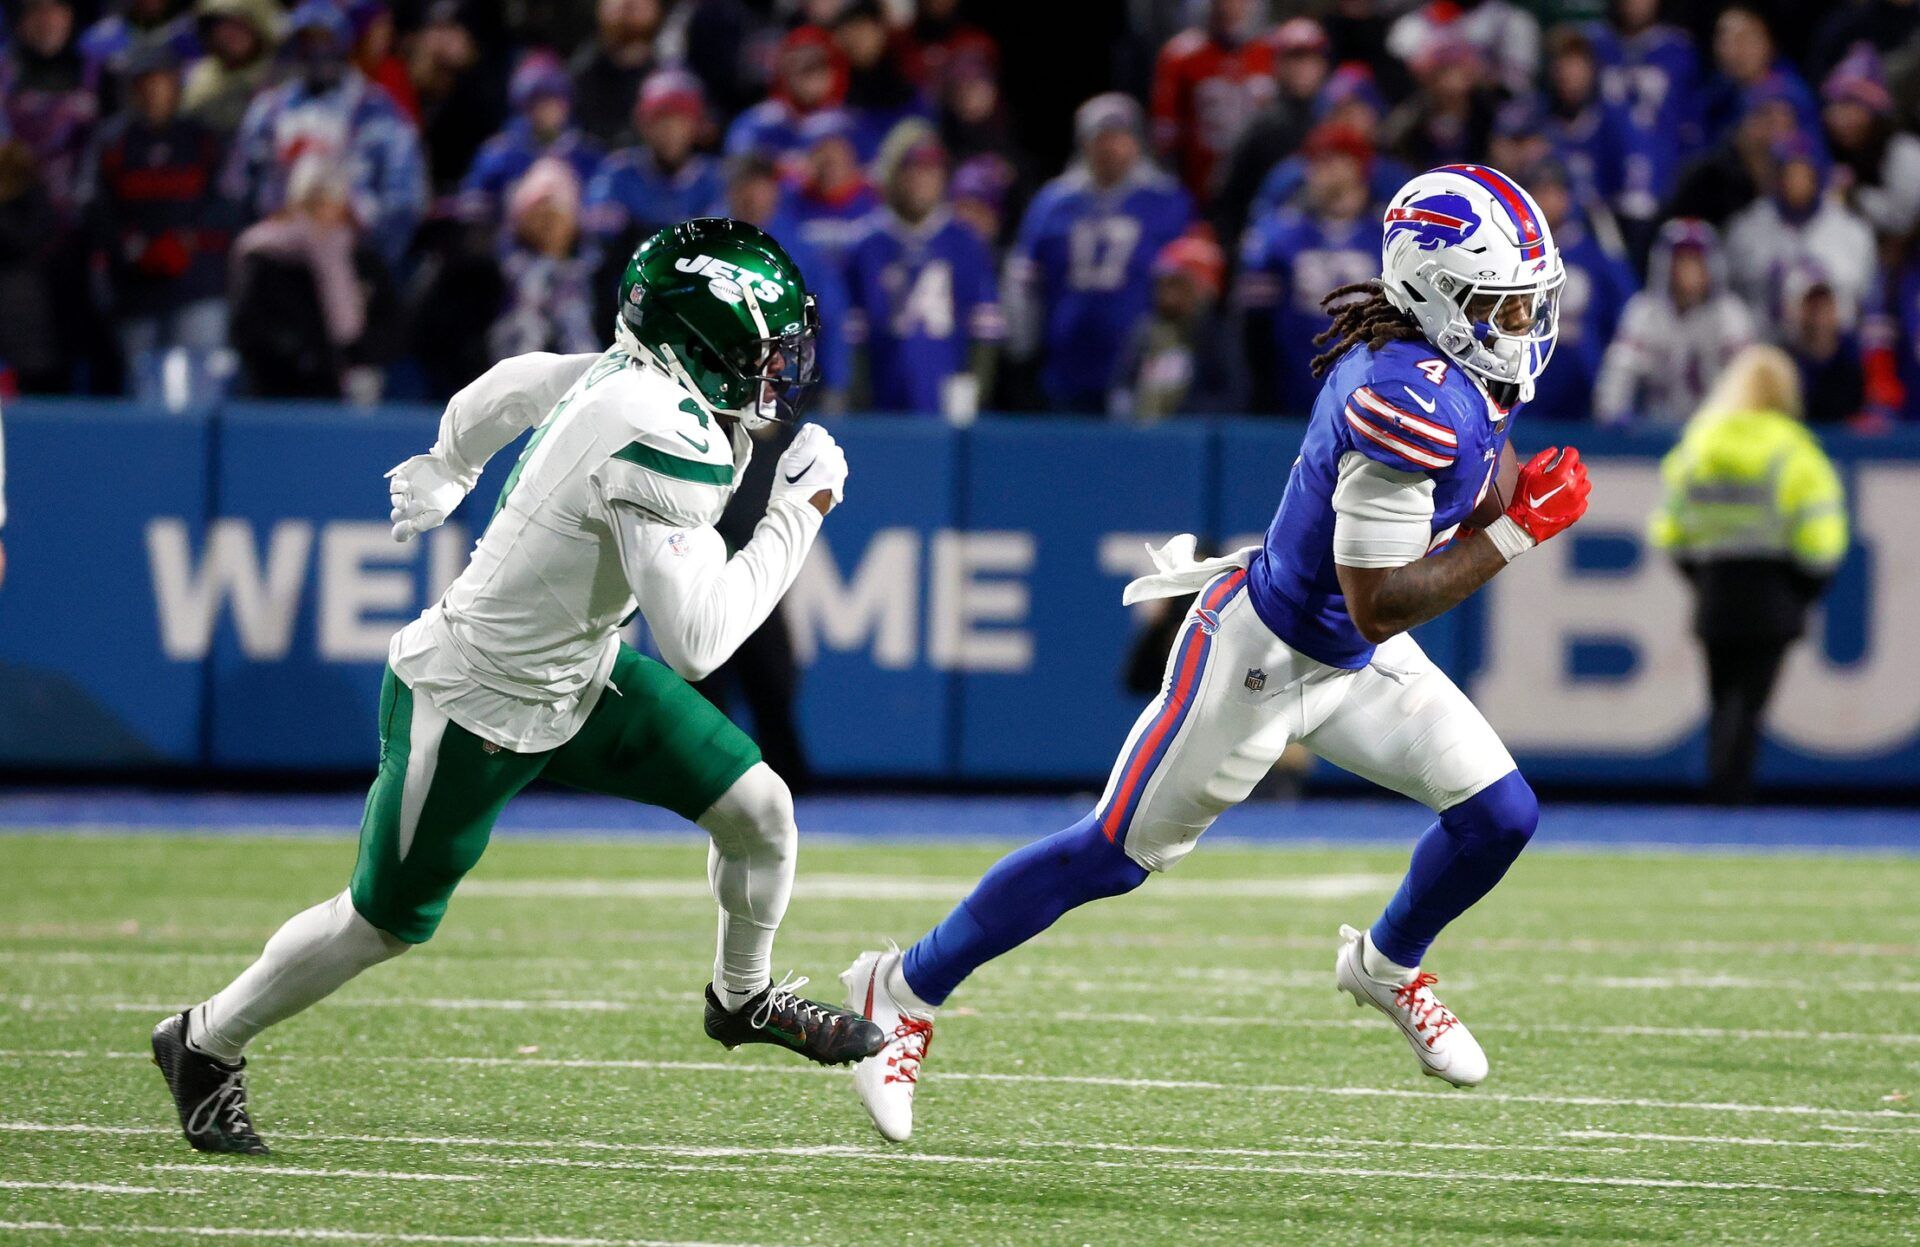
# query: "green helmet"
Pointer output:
{"type": "Point", "coordinates": [724, 309]}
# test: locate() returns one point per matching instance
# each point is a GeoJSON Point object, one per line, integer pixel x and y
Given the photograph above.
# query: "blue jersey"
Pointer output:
{"type": "Point", "coordinates": [1084, 257]}
{"type": "Point", "coordinates": [922, 296]}
{"type": "Point", "coordinates": [828, 286]}
{"type": "Point", "coordinates": [1288, 262]}
{"type": "Point", "coordinates": [1406, 406]}
{"type": "Point", "coordinates": [1594, 143]}
{"type": "Point", "coordinates": [632, 195]}
{"type": "Point", "coordinates": [1655, 76]}
{"type": "Point", "coordinates": [830, 223]}
{"type": "Point", "coordinates": [505, 158]}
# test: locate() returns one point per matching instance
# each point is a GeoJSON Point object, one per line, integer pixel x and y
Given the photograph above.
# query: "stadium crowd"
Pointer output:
{"type": "Point", "coordinates": [375, 199]}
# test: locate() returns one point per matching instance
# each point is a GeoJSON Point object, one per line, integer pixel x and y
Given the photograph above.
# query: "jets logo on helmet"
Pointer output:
{"type": "Point", "coordinates": [1466, 252]}
{"type": "Point", "coordinates": [729, 282]}
{"type": "Point", "coordinates": [1443, 220]}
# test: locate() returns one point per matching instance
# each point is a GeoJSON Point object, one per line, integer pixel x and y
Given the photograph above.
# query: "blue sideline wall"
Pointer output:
{"type": "Point", "coordinates": [216, 592]}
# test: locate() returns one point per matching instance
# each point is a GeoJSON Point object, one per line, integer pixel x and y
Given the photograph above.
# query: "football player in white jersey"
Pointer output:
{"type": "Point", "coordinates": [519, 671]}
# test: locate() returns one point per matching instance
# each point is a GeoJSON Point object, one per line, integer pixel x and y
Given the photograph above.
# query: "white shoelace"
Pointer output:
{"type": "Point", "coordinates": [786, 991]}
{"type": "Point", "coordinates": [226, 1107]}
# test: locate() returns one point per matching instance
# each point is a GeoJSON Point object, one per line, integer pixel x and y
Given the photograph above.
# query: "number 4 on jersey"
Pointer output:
{"type": "Point", "coordinates": [1436, 369]}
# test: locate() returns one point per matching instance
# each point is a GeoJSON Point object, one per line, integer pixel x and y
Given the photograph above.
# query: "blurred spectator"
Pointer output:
{"type": "Point", "coordinates": [1208, 83]}
{"type": "Point", "coordinates": [1796, 222]}
{"type": "Point", "coordinates": [1300, 70]}
{"type": "Point", "coordinates": [1729, 175]}
{"type": "Point", "coordinates": [1177, 360]}
{"type": "Point", "coordinates": [132, 26]}
{"type": "Point", "coordinates": [327, 108]}
{"type": "Point", "coordinates": [1651, 69]}
{"type": "Point", "coordinates": [371, 22]}
{"type": "Point", "coordinates": [1291, 258]}
{"type": "Point", "coordinates": [938, 35]}
{"type": "Point", "coordinates": [239, 37]}
{"type": "Point", "coordinates": [1599, 283]}
{"type": "Point", "coordinates": [460, 105]}
{"type": "Point", "coordinates": [1589, 132]}
{"type": "Point", "coordinates": [1817, 332]}
{"type": "Point", "coordinates": [1877, 166]}
{"type": "Point", "coordinates": [1348, 102]}
{"type": "Point", "coordinates": [1080, 276]}
{"type": "Point", "coordinates": [1505, 37]}
{"type": "Point", "coordinates": [608, 69]}
{"type": "Point", "coordinates": [541, 128]}
{"type": "Point", "coordinates": [1745, 58]}
{"type": "Point", "coordinates": [726, 44]}
{"type": "Point", "coordinates": [160, 229]}
{"type": "Point", "coordinates": [880, 95]}
{"type": "Point", "coordinates": [810, 75]}
{"type": "Point", "coordinates": [832, 195]}
{"type": "Point", "coordinates": [1676, 334]}
{"type": "Point", "coordinates": [549, 278]}
{"type": "Point", "coordinates": [1357, 33]}
{"type": "Point", "coordinates": [1882, 25]}
{"type": "Point", "coordinates": [49, 105]}
{"type": "Point", "coordinates": [1755, 517]}
{"type": "Point", "coordinates": [308, 295]}
{"type": "Point", "coordinates": [753, 195]}
{"type": "Point", "coordinates": [980, 193]}
{"type": "Point", "coordinates": [1447, 119]}
{"type": "Point", "coordinates": [975, 127]}
{"type": "Point", "coordinates": [640, 189]}
{"type": "Point", "coordinates": [925, 319]}
{"type": "Point", "coordinates": [1522, 134]}
{"type": "Point", "coordinates": [29, 341]}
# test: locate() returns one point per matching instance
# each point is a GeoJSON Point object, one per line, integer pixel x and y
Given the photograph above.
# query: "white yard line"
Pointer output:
{"type": "Point", "coordinates": [1876, 1129]}
{"type": "Point", "coordinates": [484, 1142]}
{"type": "Point", "coordinates": [292, 1171]}
{"type": "Point", "coordinates": [1069, 1080]}
{"type": "Point", "coordinates": [1712, 1139]}
{"type": "Point", "coordinates": [350, 1236]}
{"type": "Point", "coordinates": [92, 1188]}
{"type": "Point", "coordinates": [1521, 1028]}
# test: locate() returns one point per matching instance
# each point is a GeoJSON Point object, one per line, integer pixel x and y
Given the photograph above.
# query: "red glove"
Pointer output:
{"type": "Point", "coordinates": [1550, 494]}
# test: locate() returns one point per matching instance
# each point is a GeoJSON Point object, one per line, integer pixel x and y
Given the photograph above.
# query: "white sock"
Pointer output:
{"type": "Point", "coordinates": [306, 960]}
{"type": "Point", "coordinates": [902, 991]}
{"type": "Point", "coordinates": [1375, 963]}
{"type": "Point", "coordinates": [750, 868]}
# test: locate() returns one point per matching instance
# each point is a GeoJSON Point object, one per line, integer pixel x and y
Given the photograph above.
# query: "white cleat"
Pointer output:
{"type": "Point", "coordinates": [886, 1080]}
{"type": "Point", "coordinates": [1447, 1050]}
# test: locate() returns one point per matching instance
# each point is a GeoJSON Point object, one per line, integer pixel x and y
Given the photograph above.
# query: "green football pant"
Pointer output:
{"type": "Point", "coordinates": [651, 738]}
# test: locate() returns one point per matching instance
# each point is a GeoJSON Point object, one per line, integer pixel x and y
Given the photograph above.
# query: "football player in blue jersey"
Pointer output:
{"type": "Point", "coordinates": [1392, 515]}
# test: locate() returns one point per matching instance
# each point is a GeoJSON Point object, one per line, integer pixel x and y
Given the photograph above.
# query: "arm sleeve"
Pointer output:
{"type": "Point", "coordinates": [699, 603]}
{"type": "Point", "coordinates": [1382, 517]}
{"type": "Point", "coordinates": [507, 399]}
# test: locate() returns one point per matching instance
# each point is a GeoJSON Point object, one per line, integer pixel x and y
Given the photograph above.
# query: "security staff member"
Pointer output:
{"type": "Point", "coordinates": [1755, 516]}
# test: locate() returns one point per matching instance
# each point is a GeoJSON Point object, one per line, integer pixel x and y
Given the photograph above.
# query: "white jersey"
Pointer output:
{"type": "Point", "coordinates": [610, 508]}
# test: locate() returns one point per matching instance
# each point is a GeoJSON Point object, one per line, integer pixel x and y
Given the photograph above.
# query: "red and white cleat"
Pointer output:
{"type": "Point", "coordinates": [887, 1079]}
{"type": "Point", "coordinates": [1446, 1049]}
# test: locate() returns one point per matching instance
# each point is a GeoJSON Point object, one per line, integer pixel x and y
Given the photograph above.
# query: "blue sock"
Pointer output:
{"type": "Point", "coordinates": [1023, 894]}
{"type": "Point", "coordinates": [1456, 862]}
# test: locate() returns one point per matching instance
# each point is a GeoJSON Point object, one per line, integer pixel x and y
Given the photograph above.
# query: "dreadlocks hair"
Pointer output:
{"type": "Point", "coordinates": [1361, 313]}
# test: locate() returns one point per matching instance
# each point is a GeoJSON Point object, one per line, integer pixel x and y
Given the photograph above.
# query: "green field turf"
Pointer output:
{"type": "Point", "coordinates": [1685, 1048]}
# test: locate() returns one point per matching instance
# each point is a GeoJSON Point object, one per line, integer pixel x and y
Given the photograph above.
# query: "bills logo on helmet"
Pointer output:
{"type": "Point", "coordinates": [1441, 220]}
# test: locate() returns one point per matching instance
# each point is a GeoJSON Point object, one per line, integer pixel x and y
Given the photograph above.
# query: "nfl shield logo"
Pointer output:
{"type": "Point", "coordinates": [1256, 679]}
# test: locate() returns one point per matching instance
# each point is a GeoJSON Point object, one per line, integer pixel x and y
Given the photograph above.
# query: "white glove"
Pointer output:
{"type": "Point", "coordinates": [424, 492]}
{"type": "Point", "coordinates": [814, 462]}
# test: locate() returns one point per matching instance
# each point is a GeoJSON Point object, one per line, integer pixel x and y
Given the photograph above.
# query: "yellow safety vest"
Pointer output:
{"type": "Point", "coordinates": [1751, 484]}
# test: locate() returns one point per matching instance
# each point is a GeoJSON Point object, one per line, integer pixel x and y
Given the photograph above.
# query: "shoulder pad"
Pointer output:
{"type": "Point", "coordinates": [666, 455]}
{"type": "Point", "coordinates": [1405, 422]}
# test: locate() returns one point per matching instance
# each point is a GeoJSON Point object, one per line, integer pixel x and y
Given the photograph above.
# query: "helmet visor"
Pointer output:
{"type": "Point", "coordinates": [1518, 327]}
{"type": "Point", "coordinates": [785, 362]}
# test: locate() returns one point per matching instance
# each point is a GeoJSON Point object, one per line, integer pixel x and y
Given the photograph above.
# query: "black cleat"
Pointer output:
{"type": "Point", "coordinates": [818, 1032]}
{"type": "Point", "coordinates": [210, 1095]}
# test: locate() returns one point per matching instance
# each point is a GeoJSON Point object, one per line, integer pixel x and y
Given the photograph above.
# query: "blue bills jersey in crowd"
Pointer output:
{"type": "Point", "coordinates": [632, 195]}
{"type": "Point", "coordinates": [830, 223]}
{"type": "Point", "coordinates": [1599, 283]}
{"type": "Point", "coordinates": [828, 285]}
{"type": "Point", "coordinates": [1288, 263]}
{"type": "Point", "coordinates": [921, 296]}
{"type": "Point", "coordinates": [1406, 406]}
{"type": "Point", "coordinates": [1595, 143]}
{"type": "Point", "coordinates": [1083, 263]}
{"type": "Point", "coordinates": [505, 158]}
{"type": "Point", "coordinates": [1655, 76]}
